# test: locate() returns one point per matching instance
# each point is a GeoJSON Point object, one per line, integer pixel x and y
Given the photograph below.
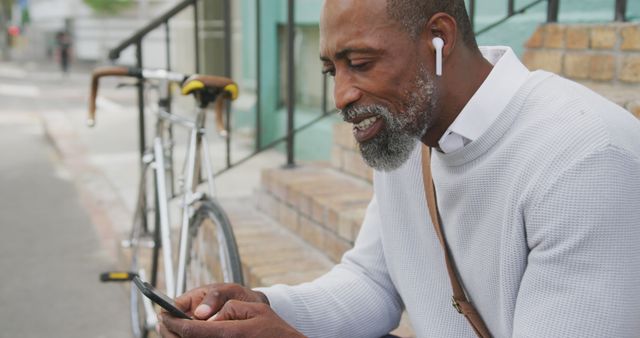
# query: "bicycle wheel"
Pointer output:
{"type": "Point", "coordinates": [212, 250]}
{"type": "Point", "coordinates": [144, 256]}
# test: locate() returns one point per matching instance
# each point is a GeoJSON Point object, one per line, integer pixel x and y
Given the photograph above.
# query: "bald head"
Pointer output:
{"type": "Point", "coordinates": [413, 15]}
{"type": "Point", "coordinates": [410, 15]}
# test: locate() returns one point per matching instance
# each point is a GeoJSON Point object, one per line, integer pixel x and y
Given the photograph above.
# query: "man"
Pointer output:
{"type": "Point", "coordinates": [63, 40]}
{"type": "Point", "coordinates": [537, 182]}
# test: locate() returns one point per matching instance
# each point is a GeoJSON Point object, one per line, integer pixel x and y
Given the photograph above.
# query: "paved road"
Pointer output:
{"type": "Point", "coordinates": [50, 255]}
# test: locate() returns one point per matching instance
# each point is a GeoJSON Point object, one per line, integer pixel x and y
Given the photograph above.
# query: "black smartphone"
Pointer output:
{"type": "Point", "coordinates": [159, 298]}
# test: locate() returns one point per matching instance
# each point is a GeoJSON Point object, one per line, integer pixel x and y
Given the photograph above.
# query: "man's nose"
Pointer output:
{"type": "Point", "coordinates": [345, 93]}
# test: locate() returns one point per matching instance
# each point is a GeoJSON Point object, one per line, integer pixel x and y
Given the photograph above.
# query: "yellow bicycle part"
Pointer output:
{"type": "Point", "coordinates": [192, 86]}
{"type": "Point", "coordinates": [232, 89]}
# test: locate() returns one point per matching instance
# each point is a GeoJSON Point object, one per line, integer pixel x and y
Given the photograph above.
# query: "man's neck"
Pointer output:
{"type": "Point", "coordinates": [458, 86]}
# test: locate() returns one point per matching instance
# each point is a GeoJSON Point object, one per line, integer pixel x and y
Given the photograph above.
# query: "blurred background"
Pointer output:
{"type": "Point", "coordinates": [257, 42]}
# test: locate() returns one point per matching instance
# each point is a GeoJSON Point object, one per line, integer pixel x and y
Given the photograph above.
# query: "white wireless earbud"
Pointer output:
{"type": "Point", "coordinates": [438, 43]}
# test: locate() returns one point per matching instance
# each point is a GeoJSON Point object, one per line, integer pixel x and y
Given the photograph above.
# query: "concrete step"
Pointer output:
{"type": "Point", "coordinates": [321, 205]}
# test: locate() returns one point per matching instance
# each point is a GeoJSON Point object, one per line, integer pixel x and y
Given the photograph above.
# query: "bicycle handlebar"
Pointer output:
{"type": "Point", "coordinates": [102, 72]}
{"type": "Point", "coordinates": [148, 74]}
{"type": "Point", "coordinates": [206, 87]}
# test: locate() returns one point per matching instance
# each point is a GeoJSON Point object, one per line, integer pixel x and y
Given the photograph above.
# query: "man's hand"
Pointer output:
{"type": "Point", "coordinates": [203, 302]}
{"type": "Point", "coordinates": [235, 319]}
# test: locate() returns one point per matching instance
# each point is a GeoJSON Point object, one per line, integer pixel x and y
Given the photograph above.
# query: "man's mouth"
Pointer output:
{"type": "Point", "coordinates": [367, 128]}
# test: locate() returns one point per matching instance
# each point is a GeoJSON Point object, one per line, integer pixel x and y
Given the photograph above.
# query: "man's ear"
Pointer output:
{"type": "Point", "coordinates": [444, 26]}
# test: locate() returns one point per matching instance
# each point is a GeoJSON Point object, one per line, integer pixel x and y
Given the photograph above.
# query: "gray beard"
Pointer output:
{"type": "Point", "coordinates": [393, 146]}
{"type": "Point", "coordinates": [388, 151]}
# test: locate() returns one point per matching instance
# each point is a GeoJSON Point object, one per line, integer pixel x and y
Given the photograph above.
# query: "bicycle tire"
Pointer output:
{"type": "Point", "coordinates": [210, 263]}
{"type": "Point", "coordinates": [144, 244]}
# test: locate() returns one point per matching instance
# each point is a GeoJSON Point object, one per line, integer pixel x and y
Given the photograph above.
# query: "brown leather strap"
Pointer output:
{"type": "Point", "coordinates": [459, 299]}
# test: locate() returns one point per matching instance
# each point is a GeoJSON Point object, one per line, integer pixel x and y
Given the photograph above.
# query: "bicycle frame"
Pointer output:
{"type": "Point", "coordinates": [197, 151]}
{"type": "Point", "coordinates": [195, 207]}
{"type": "Point", "coordinates": [175, 282]}
{"type": "Point", "coordinates": [155, 159]}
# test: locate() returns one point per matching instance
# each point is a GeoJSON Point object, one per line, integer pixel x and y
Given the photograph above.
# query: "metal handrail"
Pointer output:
{"type": "Point", "coordinates": [142, 32]}
{"type": "Point", "coordinates": [621, 10]}
{"type": "Point", "coordinates": [510, 13]}
{"type": "Point", "coordinates": [553, 10]}
{"type": "Point", "coordinates": [291, 88]}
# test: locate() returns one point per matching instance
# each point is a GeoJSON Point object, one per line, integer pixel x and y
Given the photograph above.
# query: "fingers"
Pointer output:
{"type": "Point", "coordinates": [184, 328]}
{"type": "Point", "coordinates": [235, 319]}
{"type": "Point", "coordinates": [242, 319]}
{"type": "Point", "coordinates": [190, 299]}
{"type": "Point", "coordinates": [238, 310]}
{"type": "Point", "coordinates": [164, 332]}
{"type": "Point", "coordinates": [218, 294]}
{"type": "Point", "coordinates": [205, 301]}
{"type": "Point", "coordinates": [211, 302]}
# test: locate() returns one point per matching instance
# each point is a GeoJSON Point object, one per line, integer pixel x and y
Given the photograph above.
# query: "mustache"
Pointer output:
{"type": "Point", "coordinates": [353, 111]}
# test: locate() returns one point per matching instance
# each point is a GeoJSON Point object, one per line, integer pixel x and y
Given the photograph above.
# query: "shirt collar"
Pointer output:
{"type": "Point", "coordinates": [504, 80]}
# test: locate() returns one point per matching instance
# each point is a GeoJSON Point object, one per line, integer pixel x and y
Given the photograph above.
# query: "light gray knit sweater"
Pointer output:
{"type": "Point", "coordinates": [542, 217]}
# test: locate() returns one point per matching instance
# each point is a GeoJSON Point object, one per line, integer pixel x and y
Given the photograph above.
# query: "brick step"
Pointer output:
{"type": "Point", "coordinates": [271, 254]}
{"type": "Point", "coordinates": [322, 206]}
{"type": "Point", "coordinates": [345, 155]}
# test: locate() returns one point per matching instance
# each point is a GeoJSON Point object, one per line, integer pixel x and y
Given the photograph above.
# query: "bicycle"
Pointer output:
{"type": "Point", "coordinates": [207, 250]}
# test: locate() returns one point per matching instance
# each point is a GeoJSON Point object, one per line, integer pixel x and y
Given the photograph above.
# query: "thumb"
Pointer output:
{"type": "Point", "coordinates": [210, 304]}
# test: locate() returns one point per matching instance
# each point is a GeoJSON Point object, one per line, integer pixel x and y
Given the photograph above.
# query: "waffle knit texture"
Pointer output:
{"type": "Point", "coordinates": [541, 216]}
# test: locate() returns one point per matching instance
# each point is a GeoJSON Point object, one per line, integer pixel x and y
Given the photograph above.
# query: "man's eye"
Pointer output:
{"type": "Point", "coordinates": [330, 71]}
{"type": "Point", "coordinates": [359, 65]}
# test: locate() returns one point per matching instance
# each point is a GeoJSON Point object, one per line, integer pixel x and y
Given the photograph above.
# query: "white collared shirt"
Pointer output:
{"type": "Point", "coordinates": [507, 76]}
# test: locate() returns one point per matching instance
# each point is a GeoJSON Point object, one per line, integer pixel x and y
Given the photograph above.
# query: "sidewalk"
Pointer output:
{"type": "Point", "coordinates": [50, 253]}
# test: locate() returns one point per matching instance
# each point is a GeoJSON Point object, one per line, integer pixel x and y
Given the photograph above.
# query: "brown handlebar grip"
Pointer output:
{"type": "Point", "coordinates": [97, 74]}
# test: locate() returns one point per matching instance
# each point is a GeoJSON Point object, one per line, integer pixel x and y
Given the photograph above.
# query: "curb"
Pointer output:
{"type": "Point", "coordinates": [97, 195]}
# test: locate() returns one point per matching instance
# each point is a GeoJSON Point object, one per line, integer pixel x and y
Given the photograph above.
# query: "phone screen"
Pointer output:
{"type": "Point", "coordinates": [159, 298]}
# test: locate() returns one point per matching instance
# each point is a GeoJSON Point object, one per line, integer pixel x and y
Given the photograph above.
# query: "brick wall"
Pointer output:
{"type": "Point", "coordinates": [605, 57]}
{"type": "Point", "coordinates": [602, 53]}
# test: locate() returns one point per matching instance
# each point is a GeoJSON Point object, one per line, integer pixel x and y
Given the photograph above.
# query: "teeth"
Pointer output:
{"type": "Point", "coordinates": [364, 124]}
